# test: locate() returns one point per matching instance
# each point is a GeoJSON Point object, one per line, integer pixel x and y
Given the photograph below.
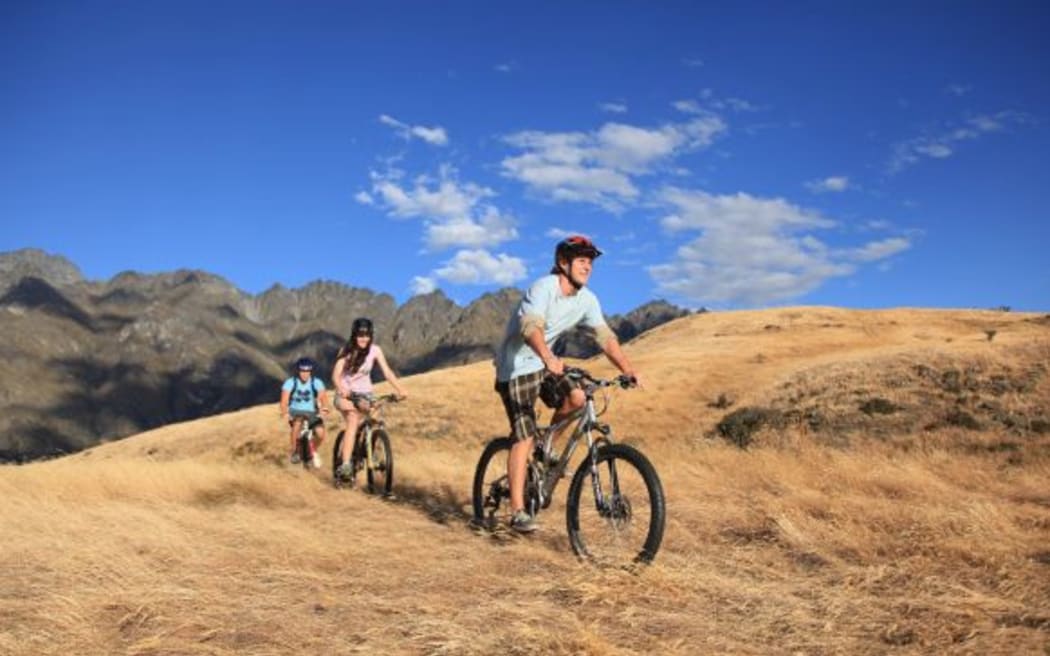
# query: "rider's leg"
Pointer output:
{"type": "Point", "coordinates": [517, 464]}
{"type": "Point", "coordinates": [351, 419]}
{"type": "Point", "coordinates": [293, 435]}
{"type": "Point", "coordinates": [519, 400]}
{"type": "Point", "coordinates": [573, 401]}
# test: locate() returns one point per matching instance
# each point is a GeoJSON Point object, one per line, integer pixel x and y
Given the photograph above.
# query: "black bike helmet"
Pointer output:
{"type": "Point", "coordinates": [305, 364]}
{"type": "Point", "coordinates": [569, 249]}
{"type": "Point", "coordinates": [362, 326]}
{"type": "Point", "coordinates": [573, 247]}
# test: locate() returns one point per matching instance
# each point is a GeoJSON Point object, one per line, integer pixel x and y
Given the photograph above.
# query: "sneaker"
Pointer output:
{"type": "Point", "coordinates": [345, 471]}
{"type": "Point", "coordinates": [316, 461]}
{"type": "Point", "coordinates": [295, 458]}
{"type": "Point", "coordinates": [523, 522]}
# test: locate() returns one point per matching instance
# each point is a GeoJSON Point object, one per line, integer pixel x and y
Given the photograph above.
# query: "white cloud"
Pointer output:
{"type": "Point", "coordinates": [944, 143]}
{"type": "Point", "coordinates": [959, 90]}
{"type": "Point", "coordinates": [597, 167]}
{"type": "Point", "coordinates": [613, 107]}
{"type": "Point", "coordinates": [752, 250]}
{"type": "Point", "coordinates": [738, 105]}
{"type": "Point", "coordinates": [489, 228]}
{"type": "Point", "coordinates": [558, 233]}
{"type": "Point", "coordinates": [480, 267]}
{"type": "Point", "coordinates": [693, 62]}
{"type": "Point", "coordinates": [423, 285]}
{"type": "Point", "coordinates": [435, 136]}
{"type": "Point", "coordinates": [835, 183]}
{"type": "Point", "coordinates": [688, 107]}
{"type": "Point", "coordinates": [455, 214]}
{"type": "Point", "coordinates": [712, 102]}
{"type": "Point", "coordinates": [879, 250]}
{"type": "Point", "coordinates": [364, 198]}
{"type": "Point", "coordinates": [935, 150]}
{"type": "Point", "coordinates": [506, 67]}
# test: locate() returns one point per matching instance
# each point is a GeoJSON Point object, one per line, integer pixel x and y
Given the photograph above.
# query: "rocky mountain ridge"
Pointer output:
{"type": "Point", "coordinates": [85, 361]}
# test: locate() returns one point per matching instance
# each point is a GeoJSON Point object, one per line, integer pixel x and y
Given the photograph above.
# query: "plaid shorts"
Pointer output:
{"type": "Point", "coordinates": [519, 399]}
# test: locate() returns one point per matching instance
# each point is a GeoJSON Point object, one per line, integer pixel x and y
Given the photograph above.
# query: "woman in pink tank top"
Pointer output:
{"type": "Point", "coordinates": [352, 379]}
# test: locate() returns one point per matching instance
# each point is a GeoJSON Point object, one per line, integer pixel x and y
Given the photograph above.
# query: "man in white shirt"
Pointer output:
{"type": "Point", "coordinates": [553, 305]}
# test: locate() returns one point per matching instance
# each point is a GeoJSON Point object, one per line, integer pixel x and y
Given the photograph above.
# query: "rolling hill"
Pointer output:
{"type": "Point", "coordinates": [837, 481]}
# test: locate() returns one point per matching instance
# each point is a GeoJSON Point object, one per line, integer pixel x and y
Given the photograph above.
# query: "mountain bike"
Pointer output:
{"type": "Point", "coordinates": [371, 450]}
{"type": "Point", "coordinates": [304, 446]}
{"type": "Point", "coordinates": [615, 506]}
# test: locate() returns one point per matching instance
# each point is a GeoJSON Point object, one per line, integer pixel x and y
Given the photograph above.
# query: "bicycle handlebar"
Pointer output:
{"type": "Point", "coordinates": [623, 381]}
{"type": "Point", "coordinates": [384, 399]}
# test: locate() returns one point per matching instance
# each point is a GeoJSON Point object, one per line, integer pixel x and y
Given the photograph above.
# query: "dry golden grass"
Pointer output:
{"type": "Point", "coordinates": [841, 537]}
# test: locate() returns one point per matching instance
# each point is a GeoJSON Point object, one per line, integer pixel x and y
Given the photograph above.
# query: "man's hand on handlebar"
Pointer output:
{"type": "Point", "coordinates": [555, 366]}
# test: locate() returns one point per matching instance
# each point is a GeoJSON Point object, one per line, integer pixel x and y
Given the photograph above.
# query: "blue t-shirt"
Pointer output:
{"type": "Point", "coordinates": [559, 312]}
{"type": "Point", "coordinates": [302, 396]}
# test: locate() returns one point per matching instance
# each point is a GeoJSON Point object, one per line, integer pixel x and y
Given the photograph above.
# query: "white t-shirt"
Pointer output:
{"type": "Point", "coordinates": [560, 314]}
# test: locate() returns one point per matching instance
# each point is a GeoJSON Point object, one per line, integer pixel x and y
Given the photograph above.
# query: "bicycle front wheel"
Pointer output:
{"type": "Point", "coordinates": [305, 449]}
{"type": "Point", "coordinates": [615, 510]}
{"type": "Point", "coordinates": [337, 459]}
{"type": "Point", "coordinates": [381, 469]}
{"type": "Point", "coordinates": [491, 492]}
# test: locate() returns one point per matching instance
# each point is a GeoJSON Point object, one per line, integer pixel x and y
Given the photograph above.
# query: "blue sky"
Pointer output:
{"type": "Point", "coordinates": [855, 154]}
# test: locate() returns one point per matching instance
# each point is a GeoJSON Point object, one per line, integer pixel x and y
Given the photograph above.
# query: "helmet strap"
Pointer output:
{"type": "Point", "coordinates": [567, 272]}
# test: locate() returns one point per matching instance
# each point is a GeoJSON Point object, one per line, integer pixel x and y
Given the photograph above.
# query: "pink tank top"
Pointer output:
{"type": "Point", "coordinates": [360, 382]}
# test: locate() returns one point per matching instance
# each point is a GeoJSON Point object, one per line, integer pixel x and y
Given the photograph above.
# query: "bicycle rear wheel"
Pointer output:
{"type": "Point", "coordinates": [491, 492]}
{"type": "Point", "coordinates": [381, 471]}
{"type": "Point", "coordinates": [615, 513]}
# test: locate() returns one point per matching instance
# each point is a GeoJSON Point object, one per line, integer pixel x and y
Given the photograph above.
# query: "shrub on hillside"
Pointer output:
{"type": "Point", "coordinates": [878, 406]}
{"type": "Point", "coordinates": [739, 426]}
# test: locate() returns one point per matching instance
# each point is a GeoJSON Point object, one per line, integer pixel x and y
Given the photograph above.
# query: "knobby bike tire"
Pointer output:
{"type": "Point", "coordinates": [357, 453]}
{"type": "Point", "coordinates": [620, 458]}
{"type": "Point", "coordinates": [305, 456]}
{"type": "Point", "coordinates": [336, 458]}
{"type": "Point", "coordinates": [482, 487]}
{"type": "Point", "coordinates": [384, 460]}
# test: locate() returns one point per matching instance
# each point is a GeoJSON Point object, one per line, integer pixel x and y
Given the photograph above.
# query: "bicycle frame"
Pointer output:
{"type": "Point", "coordinates": [586, 419]}
{"type": "Point", "coordinates": [369, 423]}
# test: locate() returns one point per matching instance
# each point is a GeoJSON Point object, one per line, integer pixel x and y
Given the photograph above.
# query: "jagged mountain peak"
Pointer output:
{"type": "Point", "coordinates": [33, 262]}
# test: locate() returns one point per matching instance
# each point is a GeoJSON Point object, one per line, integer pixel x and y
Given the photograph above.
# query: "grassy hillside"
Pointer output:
{"type": "Point", "coordinates": [894, 497]}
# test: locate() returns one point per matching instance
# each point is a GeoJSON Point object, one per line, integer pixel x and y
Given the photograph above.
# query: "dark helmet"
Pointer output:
{"type": "Point", "coordinates": [573, 247]}
{"type": "Point", "coordinates": [305, 364]}
{"type": "Point", "coordinates": [362, 326]}
{"type": "Point", "coordinates": [569, 249]}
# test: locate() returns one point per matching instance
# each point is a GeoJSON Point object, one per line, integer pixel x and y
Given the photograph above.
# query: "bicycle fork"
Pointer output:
{"type": "Point", "coordinates": [603, 505]}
